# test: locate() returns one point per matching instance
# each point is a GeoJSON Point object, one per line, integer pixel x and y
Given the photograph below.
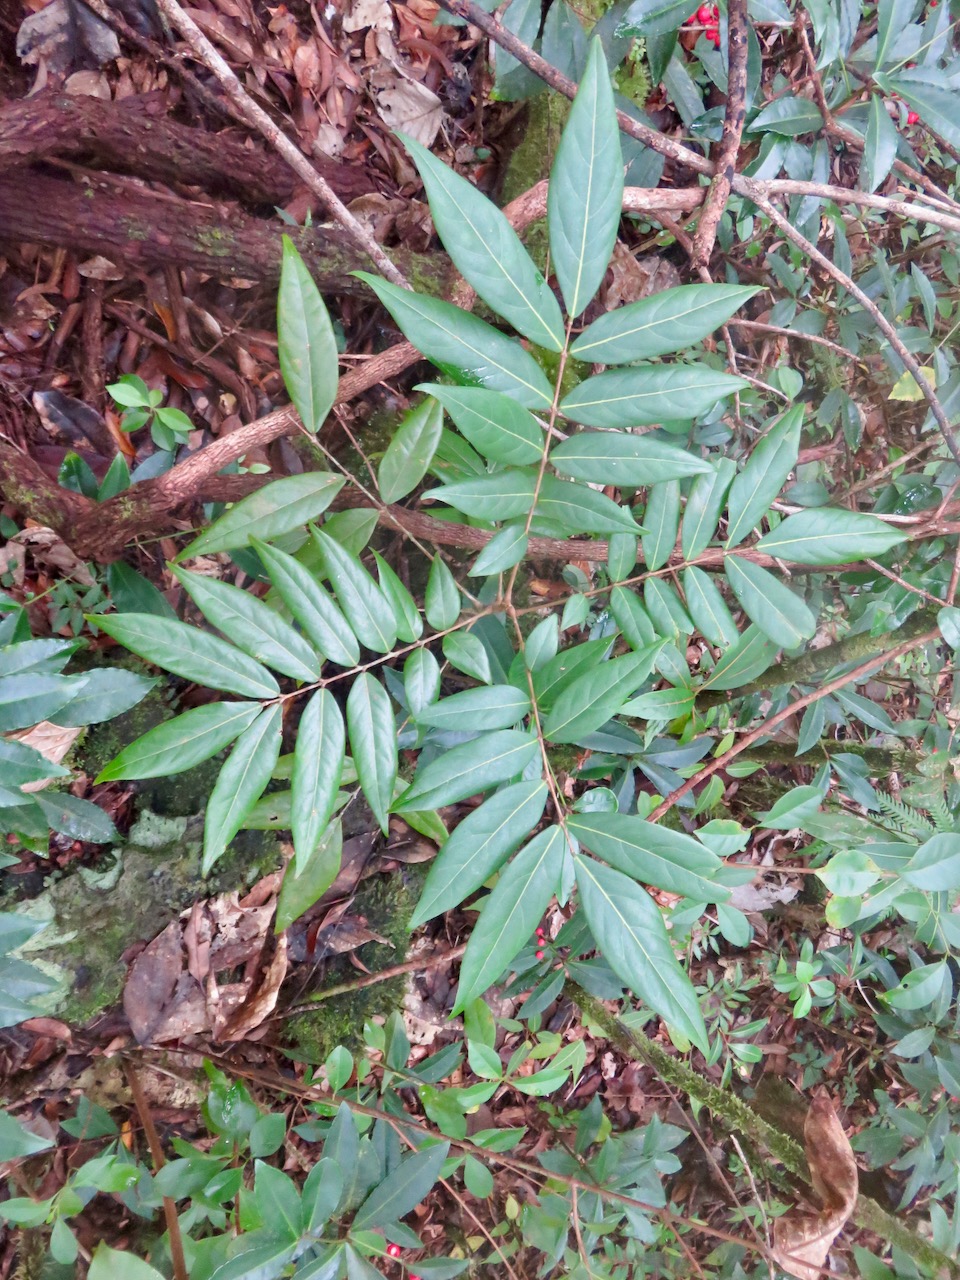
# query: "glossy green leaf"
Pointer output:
{"type": "Point", "coordinates": [79, 819]}
{"type": "Point", "coordinates": [830, 535]}
{"type": "Point", "coordinates": [637, 948]}
{"type": "Point", "coordinates": [353, 529]}
{"type": "Point", "coordinates": [181, 743]}
{"type": "Point", "coordinates": [278, 508]}
{"type": "Point", "coordinates": [466, 652]}
{"type": "Point", "coordinates": [421, 680]}
{"type": "Point", "coordinates": [499, 496]}
{"type": "Point", "coordinates": [666, 610]}
{"type": "Point", "coordinates": [470, 768]}
{"type": "Point", "coordinates": [919, 988]}
{"type": "Point", "coordinates": [671, 320]}
{"type": "Point", "coordinates": [403, 1189]}
{"type": "Point", "coordinates": [550, 680]}
{"type": "Point", "coordinates": [761, 480]}
{"type": "Point", "coordinates": [662, 704]}
{"type": "Point", "coordinates": [708, 609]}
{"type": "Point", "coordinates": [487, 252]}
{"type": "Point", "coordinates": [631, 617]}
{"type": "Point", "coordinates": [499, 707]}
{"type": "Point", "coordinates": [648, 394]}
{"type": "Point", "coordinates": [744, 661]}
{"type": "Point", "coordinates": [578, 509]}
{"type": "Point", "coordinates": [708, 496]}
{"type": "Point", "coordinates": [253, 627]}
{"type": "Point", "coordinates": [892, 18]}
{"type": "Point", "coordinates": [317, 762]}
{"type": "Point", "coordinates": [241, 783]}
{"type": "Point", "coordinates": [45, 657]}
{"type": "Point", "coordinates": [119, 1264]}
{"type": "Point", "coordinates": [661, 519]}
{"type": "Point", "coordinates": [495, 425]}
{"type": "Point", "coordinates": [464, 346]}
{"type": "Point", "coordinates": [652, 854]}
{"type": "Point", "coordinates": [621, 556]}
{"type": "Point", "coordinates": [307, 346]}
{"type": "Point", "coordinates": [410, 452]}
{"type": "Point", "coordinates": [405, 612]}
{"type": "Point", "coordinates": [131, 592]}
{"type": "Point", "coordinates": [935, 867]}
{"type": "Point", "coordinates": [189, 652]}
{"type": "Point", "coordinates": [17, 1141]}
{"type": "Point", "coordinates": [597, 695]}
{"type": "Point", "coordinates": [20, 763]}
{"type": "Point", "coordinates": [373, 744]}
{"type": "Point", "coordinates": [27, 699]}
{"type": "Point", "coordinates": [441, 601]}
{"type": "Point", "coordinates": [779, 612]}
{"type": "Point", "coordinates": [479, 846]}
{"type": "Point", "coordinates": [616, 457]}
{"type": "Point", "coordinates": [106, 692]}
{"type": "Point", "coordinates": [511, 914]}
{"type": "Point", "coordinates": [503, 551]}
{"type": "Point", "coordinates": [312, 606]}
{"type": "Point", "coordinates": [880, 145]}
{"type": "Point", "coordinates": [789, 115]}
{"type": "Point", "coordinates": [306, 880]}
{"type": "Point", "coordinates": [366, 607]}
{"type": "Point", "coordinates": [586, 188]}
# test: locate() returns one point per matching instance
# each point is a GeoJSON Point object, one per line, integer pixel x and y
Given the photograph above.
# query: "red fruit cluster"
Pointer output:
{"type": "Point", "coordinates": [708, 15]}
{"type": "Point", "coordinates": [541, 940]}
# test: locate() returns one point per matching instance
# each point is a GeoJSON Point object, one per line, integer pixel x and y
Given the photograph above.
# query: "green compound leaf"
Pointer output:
{"type": "Point", "coordinates": [778, 612]}
{"type": "Point", "coordinates": [306, 343]}
{"type": "Point", "coordinates": [179, 744]}
{"type": "Point", "coordinates": [615, 457]}
{"type": "Point", "coordinates": [487, 252]}
{"type": "Point", "coordinates": [460, 344]}
{"type": "Point", "coordinates": [373, 744]}
{"type": "Point", "coordinates": [410, 452]}
{"type": "Point", "coordinates": [648, 394]}
{"type": "Point", "coordinates": [586, 188]}
{"type": "Point", "coordinates": [241, 783]}
{"type": "Point", "coordinates": [470, 768]}
{"type": "Point", "coordinates": [497, 426]}
{"type": "Point", "coordinates": [634, 941]}
{"type": "Point", "coordinates": [313, 607]}
{"type": "Point", "coordinates": [665, 322]}
{"type": "Point", "coordinates": [317, 763]}
{"type": "Point", "coordinates": [829, 535]}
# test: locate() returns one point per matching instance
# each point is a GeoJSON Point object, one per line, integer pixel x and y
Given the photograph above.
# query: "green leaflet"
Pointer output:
{"type": "Point", "coordinates": [652, 854]}
{"type": "Point", "coordinates": [707, 607]}
{"type": "Point", "coordinates": [494, 497]}
{"type": "Point", "coordinates": [550, 680]}
{"type": "Point", "coordinates": [459, 343]}
{"type": "Point", "coordinates": [441, 603]}
{"type": "Point", "coordinates": [497, 426]}
{"type": "Point", "coordinates": [305, 881]}
{"type": "Point", "coordinates": [106, 692]}
{"type": "Point", "coordinates": [763, 477]}
{"type": "Point", "coordinates": [478, 847]}
{"type": "Point", "coordinates": [748, 658]}
{"type": "Point", "coordinates": [405, 612]}
{"type": "Point", "coordinates": [410, 452]}
{"type": "Point", "coordinates": [306, 344]}
{"type": "Point", "coordinates": [631, 617]}
{"type": "Point", "coordinates": [595, 697]}
{"type": "Point", "coordinates": [317, 762]}
{"type": "Point", "coordinates": [503, 551]}
{"type": "Point", "coordinates": [373, 744]}
{"type": "Point", "coordinates": [241, 783]}
{"type": "Point", "coordinates": [27, 699]}
{"type": "Point", "coordinates": [191, 653]}
{"type": "Point", "coordinates": [249, 624]}
{"type": "Point", "coordinates": [487, 252]}
{"type": "Point", "coordinates": [278, 508]}
{"type": "Point", "coordinates": [790, 115]}
{"type": "Point", "coordinates": [586, 188]}
{"type": "Point", "coordinates": [661, 519]}
{"type": "Point", "coordinates": [828, 535]}
{"type": "Point", "coordinates": [312, 606]}
{"type": "Point", "coordinates": [617, 457]}
{"type": "Point", "coordinates": [179, 744]}
{"type": "Point", "coordinates": [470, 768]}
{"type": "Point", "coordinates": [498, 707]}
{"type": "Point", "coordinates": [778, 612]}
{"type": "Point", "coordinates": [648, 394]}
{"type": "Point", "coordinates": [511, 913]}
{"type": "Point", "coordinates": [403, 1188]}
{"type": "Point", "coordinates": [708, 495]}
{"type": "Point", "coordinates": [637, 948]}
{"type": "Point", "coordinates": [364, 604]}
{"type": "Point", "coordinates": [578, 509]}
{"type": "Point", "coordinates": [665, 322]}
{"type": "Point", "coordinates": [421, 680]}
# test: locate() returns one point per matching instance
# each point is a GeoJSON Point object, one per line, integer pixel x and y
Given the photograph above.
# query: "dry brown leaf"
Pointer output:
{"type": "Point", "coordinates": [802, 1241]}
{"type": "Point", "coordinates": [53, 743]}
{"type": "Point", "coordinates": [262, 1002]}
{"type": "Point", "coordinates": [152, 982]}
{"type": "Point", "coordinates": [414, 108]}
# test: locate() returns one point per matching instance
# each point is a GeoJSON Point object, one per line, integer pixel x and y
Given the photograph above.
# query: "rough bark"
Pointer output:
{"type": "Point", "coordinates": [135, 136]}
{"type": "Point", "coordinates": [142, 230]}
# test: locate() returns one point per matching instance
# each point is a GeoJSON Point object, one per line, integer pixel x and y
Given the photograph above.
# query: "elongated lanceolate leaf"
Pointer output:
{"type": "Point", "coordinates": [441, 601]}
{"type": "Point", "coordinates": [402, 1189]}
{"type": "Point", "coordinates": [499, 496]}
{"type": "Point", "coordinates": [763, 477]}
{"type": "Point", "coordinates": [830, 535]}
{"type": "Point", "coordinates": [498, 707]}
{"type": "Point", "coordinates": [278, 508]}
{"type": "Point", "coordinates": [634, 942]}
{"type": "Point", "coordinates": [497, 426]}
{"type": "Point", "coordinates": [748, 658]}
{"type": "Point", "coordinates": [460, 344]}
{"type": "Point", "coordinates": [312, 606]}
{"type": "Point", "coordinates": [191, 653]}
{"type": "Point", "coordinates": [654, 855]}
{"type": "Point", "coordinates": [578, 509]}
{"type": "Point", "coordinates": [366, 607]}
{"type": "Point", "coordinates": [306, 343]}
{"type": "Point", "coordinates": [317, 762]}
{"type": "Point", "coordinates": [708, 495]}
{"type": "Point", "coordinates": [106, 692]}
{"type": "Point", "coordinates": [586, 188]}
{"type": "Point", "coordinates": [661, 519]}
{"type": "Point", "coordinates": [241, 783]}
{"type": "Point", "coordinates": [707, 607]}
{"type": "Point", "coordinates": [179, 744]}
{"type": "Point", "coordinates": [410, 452]}
{"type": "Point", "coordinates": [648, 394]}
{"type": "Point", "coordinates": [511, 914]}
{"type": "Point", "coordinates": [27, 699]}
{"type": "Point", "coordinates": [373, 744]}
{"type": "Point", "coordinates": [790, 115]}
{"type": "Point", "coordinates": [478, 847]}
{"type": "Point", "coordinates": [777, 611]}
{"type": "Point", "coordinates": [880, 146]}
{"type": "Point", "coordinates": [307, 880]}
{"type": "Point", "coordinates": [405, 613]}
{"type": "Point", "coordinates": [593, 698]}
{"type": "Point", "coordinates": [470, 768]}
{"type": "Point", "coordinates": [616, 457]}
{"type": "Point", "coordinates": [487, 251]}
{"type": "Point", "coordinates": [421, 680]}
{"type": "Point", "coordinates": [249, 624]}
{"type": "Point", "coordinates": [503, 551]}
{"type": "Point", "coordinates": [668, 321]}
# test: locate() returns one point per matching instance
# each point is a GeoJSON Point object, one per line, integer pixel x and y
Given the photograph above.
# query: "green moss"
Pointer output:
{"type": "Point", "coordinates": [386, 902]}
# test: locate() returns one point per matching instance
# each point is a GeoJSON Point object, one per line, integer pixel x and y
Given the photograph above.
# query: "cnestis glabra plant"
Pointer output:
{"type": "Point", "coordinates": [516, 458]}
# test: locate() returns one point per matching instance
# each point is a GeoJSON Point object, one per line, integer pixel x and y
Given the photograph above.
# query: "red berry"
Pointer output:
{"type": "Point", "coordinates": [692, 18]}
{"type": "Point", "coordinates": [716, 13]}
{"type": "Point", "coordinates": [934, 3]}
{"type": "Point", "coordinates": [540, 955]}
{"type": "Point", "coordinates": [912, 117]}
{"type": "Point", "coordinates": [712, 34]}
{"type": "Point", "coordinates": [394, 1250]}
{"type": "Point", "coordinates": [704, 13]}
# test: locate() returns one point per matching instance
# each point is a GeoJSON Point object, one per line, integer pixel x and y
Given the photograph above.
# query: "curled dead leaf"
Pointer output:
{"type": "Point", "coordinates": [802, 1240]}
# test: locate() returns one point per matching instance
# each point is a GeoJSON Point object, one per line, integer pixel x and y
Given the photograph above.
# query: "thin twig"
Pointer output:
{"type": "Point", "coordinates": [419, 965]}
{"type": "Point", "coordinates": [177, 1259]}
